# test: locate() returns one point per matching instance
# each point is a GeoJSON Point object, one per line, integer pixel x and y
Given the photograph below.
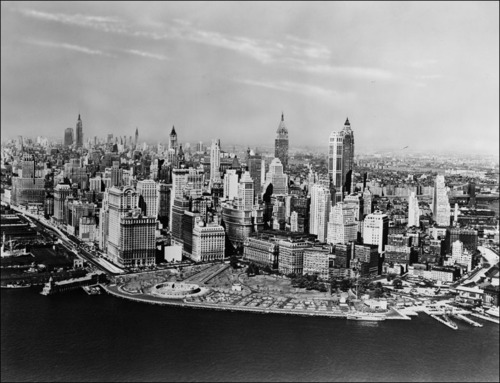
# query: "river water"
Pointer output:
{"type": "Point", "coordinates": [75, 337]}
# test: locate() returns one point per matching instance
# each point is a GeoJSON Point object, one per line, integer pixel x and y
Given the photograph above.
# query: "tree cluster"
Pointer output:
{"type": "Point", "coordinates": [252, 269]}
{"type": "Point", "coordinates": [309, 282]}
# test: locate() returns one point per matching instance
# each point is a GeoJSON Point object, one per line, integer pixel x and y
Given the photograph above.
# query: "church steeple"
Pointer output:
{"type": "Point", "coordinates": [347, 122]}
{"type": "Point", "coordinates": [172, 133]}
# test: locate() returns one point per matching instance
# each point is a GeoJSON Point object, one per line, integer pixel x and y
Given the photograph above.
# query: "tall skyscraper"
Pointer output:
{"type": "Point", "coordinates": [413, 211]}
{"type": "Point", "coordinates": [341, 160]}
{"type": "Point", "coordinates": [215, 162]}
{"type": "Point", "coordinates": [245, 192]}
{"type": "Point", "coordinates": [281, 143]}
{"type": "Point", "coordinates": [230, 184]}
{"type": "Point", "coordinates": [68, 137]}
{"type": "Point", "coordinates": [79, 133]}
{"type": "Point", "coordinates": [172, 143]}
{"type": "Point", "coordinates": [179, 182]}
{"type": "Point", "coordinates": [440, 203]}
{"type": "Point", "coordinates": [342, 227]}
{"type": "Point", "coordinates": [320, 209]}
{"type": "Point", "coordinates": [136, 137]}
{"type": "Point", "coordinates": [276, 177]}
{"type": "Point", "coordinates": [148, 195]}
{"type": "Point", "coordinates": [131, 236]}
{"type": "Point", "coordinates": [254, 165]}
{"type": "Point", "coordinates": [61, 192]}
{"type": "Point", "coordinates": [376, 230]}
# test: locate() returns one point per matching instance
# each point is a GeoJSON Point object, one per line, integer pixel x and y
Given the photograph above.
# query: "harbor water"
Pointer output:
{"type": "Point", "coordinates": [76, 337]}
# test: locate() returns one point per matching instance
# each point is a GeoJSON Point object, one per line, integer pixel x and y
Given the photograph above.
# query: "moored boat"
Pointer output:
{"type": "Point", "coordinates": [365, 316]}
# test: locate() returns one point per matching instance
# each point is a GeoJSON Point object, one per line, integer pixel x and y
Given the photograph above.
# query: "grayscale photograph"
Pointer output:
{"type": "Point", "coordinates": [247, 191]}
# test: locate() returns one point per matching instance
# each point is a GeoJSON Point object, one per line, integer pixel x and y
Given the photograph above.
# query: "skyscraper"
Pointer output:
{"type": "Point", "coordinates": [440, 203]}
{"type": "Point", "coordinates": [245, 192]}
{"type": "Point", "coordinates": [254, 165]}
{"type": "Point", "coordinates": [172, 143]}
{"type": "Point", "coordinates": [276, 177]}
{"type": "Point", "coordinates": [136, 137]}
{"type": "Point", "coordinates": [413, 211]}
{"type": "Point", "coordinates": [148, 195]}
{"type": "Point", "coordinates": [215, 162]}
{"type": "Point", "coordinates": [376, 230]}
{"type": "Point", "coordinates": [320, 209]}
{"type": "Point", "coordinates": [281, 143]}
{"type": "Point", "coordinates": [341, 160]}
{"type": "Point", "coordinates": [230, 184]}
{"type": "Point", "coordinates": [68, 137]}
{"type": "Point", "coordinates": [131, 236]}
{"type": "Point", "coordinates": [79, 133]}
{"type": "Point", "coordinates": [342, 227]}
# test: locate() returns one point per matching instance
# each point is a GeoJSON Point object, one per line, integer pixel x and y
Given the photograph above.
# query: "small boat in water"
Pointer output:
{"type": "Point", "coordinates": [16, 285]}
{"type": "Point", "coordinates": [365, 316]}
{"type": "Point", "coordinates": [493, 312]}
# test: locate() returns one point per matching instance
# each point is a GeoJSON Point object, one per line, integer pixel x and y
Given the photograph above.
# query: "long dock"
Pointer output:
{"type": "Point", "coordinates": [468, 320]}
{"type": "Point", "coordinates": [448, 323]}
{"type": "Point", "coordinates": [485, 317]}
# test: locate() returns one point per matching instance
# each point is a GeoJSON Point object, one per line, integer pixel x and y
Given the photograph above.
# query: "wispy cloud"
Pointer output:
{"type": "Point", "coordinates": [147, 54]}
{"type": "Point", "coordinates": [294, 87]}
{"type": "Point", "coordinates": [291, 52]}
{"type": "Point", "coordinates": [72, 47]}
{"type": "Point", "coordinates": [102, 23]}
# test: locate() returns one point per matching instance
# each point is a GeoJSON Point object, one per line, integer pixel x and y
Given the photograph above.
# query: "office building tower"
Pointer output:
{"type": "Point", "coordinates": [342, 227]}
{"type": "Point", "coordinates": [291, 255]}
{"type": "Point", "coordinates": [172, 143]}
{"type": "Point", "coordinates": [245, 192]}
{"type": "Point", "coordinates": [281, 143]}
{"type": "Point", "coordinates": [231, 184]}
{"type": "Point", "coordinates": [319, 211]}
{"type": "Point", "coordinates": [294, 222]}
{"type": "Point", "coordinates": [116, 174]}
{"type": "Point", "coordinates": [79, 133]}
{"type": "Point", "coordinates": [164, 195]}
{"type": "Point", "coordinates": [365, 260]}
{"type": "Point", "coordinates": [376, 230]}
{"type": "Point", "coordinates": [355, 201]}
{"type": "Point", "coordinates": [136, 137]}
{"type": "Point", "coordinates": [316, 261]}
{"type": "Point", "coordinates": [61, 193]}
{"type": "Point", "coordinates": [413, 211]}
{"type": "Point", "coordinates": [367, 202]}
{"type": "Point", "coordinates": [215, 162]}
{"type": "Point", "coordinates": [68, 137]}
{"type": "Point", "coordinates": [254, 165]}
{"type": "Point", "coordinates": [341, 160]}
{"type": "Point", "coordinates": [277, 178]}
{"type": "Point", "coordinates": [208, 242]}
{"type": "Point", "coordinates": [261, 250]}
{"type": "Point", "coordinates": [455, 214]}
{"type": "Point", "coordinates": [131, 237]}
{"type": "Point", "coordinates": [28, 166]}
{"type": "Point", "coordinates": [148, 198]}
{"type": "Point", "coordinates": [440, 203]}
{"type": "Point", "coordinates": [179, 183]}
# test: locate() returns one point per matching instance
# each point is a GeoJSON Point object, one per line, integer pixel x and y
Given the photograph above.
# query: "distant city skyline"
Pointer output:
{"type": "Point", "coordinates": [423, 75]}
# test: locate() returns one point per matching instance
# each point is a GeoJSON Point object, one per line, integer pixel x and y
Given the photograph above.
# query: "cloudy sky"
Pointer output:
{"type": "Point", "coordinates": [421, 74]}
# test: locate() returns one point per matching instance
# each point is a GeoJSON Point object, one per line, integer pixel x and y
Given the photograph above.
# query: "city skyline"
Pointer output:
{"type": "Point", "coordinates": [411, 74]}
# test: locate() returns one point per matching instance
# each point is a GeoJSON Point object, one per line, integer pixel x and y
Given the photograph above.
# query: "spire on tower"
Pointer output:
{"type": "Point", "coordinates": [172, 133]}
{"type": "Point", "coordinates": [79, 117]}
{"type": "Point", "coordinates": [282, 117]}
{"type": "Point", "coordinates": [347, 122]}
